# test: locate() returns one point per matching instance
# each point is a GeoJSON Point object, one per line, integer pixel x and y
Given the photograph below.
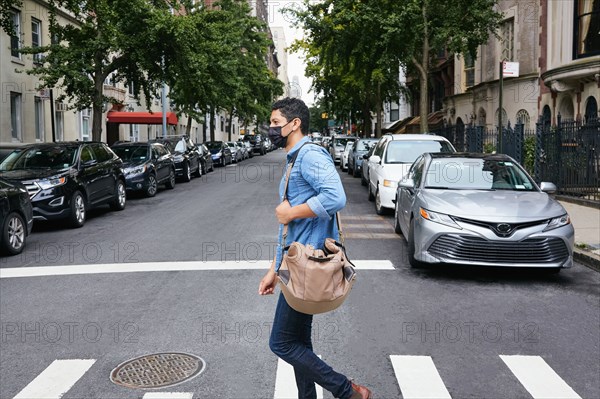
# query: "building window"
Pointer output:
{"type": "Point", "coordinates": [84, 124]}
{"type": "Point", "coordinates": [59, 125]}
{"type": "Point", "coordinates": [523, 117]}
{"type": "Point", "coordinates": [507, 33]}
{"type": "Point", "coordinates": [591, 109]}
{"type": "Point", "coordinates": [131, 89]}
{"type": "Point", "coordinates": [134, 132]}
{"type": "Point", "coordinates": [36, 38]}
{"type": "Point", "coordinates": [469, 70]}
{"type": "Point", "coordinates": [504, 118]}
{"type": "Point", "coordinates": [587, 28]}
{"type": "Point", "coordinates": [15, 116]}
{"type": "Point", "coordinates": [15, 38]}
{"type": "Point", "coordinates": [38, 106]}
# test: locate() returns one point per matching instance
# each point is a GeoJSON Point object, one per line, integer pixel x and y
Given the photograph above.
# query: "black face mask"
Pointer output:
{"type": "Point", "coordinates": [275, 135]}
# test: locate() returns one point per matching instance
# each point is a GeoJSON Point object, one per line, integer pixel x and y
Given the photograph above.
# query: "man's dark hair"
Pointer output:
{"type": "Point", "coordinates": [292, 108]}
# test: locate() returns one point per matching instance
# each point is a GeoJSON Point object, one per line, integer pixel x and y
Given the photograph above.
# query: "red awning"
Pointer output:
{"type": "Point", "coordinates": [141, 118]}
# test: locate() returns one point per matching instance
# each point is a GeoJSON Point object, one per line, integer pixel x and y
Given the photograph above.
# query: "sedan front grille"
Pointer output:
{"type": "Point", "coordinates": [32, 189]}
{"type": "Point", "coordinates": [461, 248]}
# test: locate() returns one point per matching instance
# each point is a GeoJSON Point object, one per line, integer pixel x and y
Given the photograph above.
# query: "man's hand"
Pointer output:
{"type": "Point", "coordinates": [284, 212]}
{"type": "Point", "coordinates": [268, 283]}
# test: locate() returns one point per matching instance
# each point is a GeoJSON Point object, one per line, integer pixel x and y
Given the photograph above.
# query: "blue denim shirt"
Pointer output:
{"type": "Point", "coordinates": [315, 181]}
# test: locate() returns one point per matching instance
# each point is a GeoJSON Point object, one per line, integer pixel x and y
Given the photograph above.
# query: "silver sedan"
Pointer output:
{"type": "Point", "coordinates": [480, 209]}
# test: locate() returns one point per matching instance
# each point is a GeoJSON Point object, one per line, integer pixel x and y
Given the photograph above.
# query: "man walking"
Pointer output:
{"type": "Point", "coordinates": [315, 194]}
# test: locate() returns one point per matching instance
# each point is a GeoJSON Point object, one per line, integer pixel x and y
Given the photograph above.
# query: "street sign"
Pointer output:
{"type": "Point", "coordinates": [44, 93]}
{"type": "Point", "coordinates": [510, 69]}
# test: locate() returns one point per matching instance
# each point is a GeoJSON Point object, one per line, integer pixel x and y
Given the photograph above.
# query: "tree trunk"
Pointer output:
{"type": "Point", "coordinates": [379, 113]}
{"type": "Point", "coordinates": [367, 119]}
{"type": "Point", "coordinates": [204, 128]}
{"type": "Point", "coordinates": [188, 128]}
{"type": "Point", "coordinates": [212, 123]}
{"type": "Point", "coordinates": [97, 99]}
{"type": "Point", "coordinates": [230, 125]}
{"type": "Point", "coordinates": [424, 72]}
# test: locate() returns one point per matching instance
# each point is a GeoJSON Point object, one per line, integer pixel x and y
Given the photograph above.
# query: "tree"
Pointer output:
{"type": "Point", "coordinates": [113, 39]}
{"type": "Point", "coordinates": [6, 7]}
{"type": "Point", "coordinates": [349, 63]}
{"type": "Point", "coordinates": [417, 29]}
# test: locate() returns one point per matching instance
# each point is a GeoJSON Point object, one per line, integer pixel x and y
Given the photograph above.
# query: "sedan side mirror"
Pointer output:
{"type": "Point", "coordinates": [547, 187]}
{"type": "Point", "coordinates": [407, 183]}
{"type": "Point", "coordinates": [375, 159]}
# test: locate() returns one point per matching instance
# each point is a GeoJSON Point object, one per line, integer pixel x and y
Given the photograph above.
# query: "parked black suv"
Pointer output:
{"type": "Point", "coordinates": [185, 155]}
{"type": "Point", "coordinates": [146, 165]}
{"type": "Point", "coordinates": [16, 216]}
{"type": "Point", "coordinates": [66, 179]}
{"type": "Point", "coordinates": [257, 142]}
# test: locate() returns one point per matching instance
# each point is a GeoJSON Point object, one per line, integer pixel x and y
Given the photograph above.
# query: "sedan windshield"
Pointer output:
{"type": "Point", "coordinates": [341, 142]}
{"type": "Point", "coordinates": [58, 157]}
{"type": "Point", "coordinates": [213, 145]}
{"type": "Point", "coordinates": [131, 153]}
{"type": "Point", "coordinates": [477, 174]}
{"type": "Point", "coordinates": [406, 151]}
{"type": "Point", "coordinates": [365, 145]}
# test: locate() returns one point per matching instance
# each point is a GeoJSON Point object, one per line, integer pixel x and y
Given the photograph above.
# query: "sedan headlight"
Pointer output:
{"type": "Point", "coordinates": [218, 154]}
{"type": "Point", "coordinates": [50, 183]}
{"type": "Point", "coordinates": [558, 222]}
{"type": "Point", "coordinates": [178, 158]}
{"type": "Point", "coordinates": [440, 218]}
{"type": "Point", "coordinates": [390, 183]}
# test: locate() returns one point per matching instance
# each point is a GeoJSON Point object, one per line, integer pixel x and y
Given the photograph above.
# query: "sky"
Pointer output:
{"type": "Point", "coordinates": [295, 61]}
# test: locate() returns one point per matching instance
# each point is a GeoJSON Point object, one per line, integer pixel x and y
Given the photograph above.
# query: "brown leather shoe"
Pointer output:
{"type": "Point", "coordinates": [360, 392]}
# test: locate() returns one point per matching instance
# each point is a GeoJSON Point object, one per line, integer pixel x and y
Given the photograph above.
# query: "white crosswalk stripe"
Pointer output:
{"type": "Point", "coordinates": [418, 378]}
{"type": "Point", "coordinates": [56, 379]}
{"type": "Point", "coordinates": [538, 377]}
{"type": "Point", "coordinates": [285, 382]}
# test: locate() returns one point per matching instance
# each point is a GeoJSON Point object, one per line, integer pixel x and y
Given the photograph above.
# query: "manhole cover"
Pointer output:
{"type": "Point", "coordinates": [157, 370]}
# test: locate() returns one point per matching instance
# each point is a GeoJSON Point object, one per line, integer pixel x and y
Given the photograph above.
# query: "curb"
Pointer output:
{"type": "Point", "coordinates": [587, 259]}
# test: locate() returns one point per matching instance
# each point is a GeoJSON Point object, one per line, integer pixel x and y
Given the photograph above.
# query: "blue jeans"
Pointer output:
{"type": "Point", "coordinates": [291, 341]}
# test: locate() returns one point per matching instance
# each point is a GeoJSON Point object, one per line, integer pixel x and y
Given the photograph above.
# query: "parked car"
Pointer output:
{"type": "Point", "coordinates": [248, 148]}
{"type": "Point", "coordinates": [236, 153]}
{"type": "Point", "coordinates": [393, 156]}
{"type": "Point", "coordinates": [185, 155]}
{"type": "Point", "coordinates": [242, 147]}
{"type": "Point", "coordinates": [325, 142]}
{"type": "Point", "coordinates": [481, 209]}
{"type": "Point", "coordinates": [206, 162]}
{"type": "Point", "coordinates": [359, 148]}
{"type": "Point", "coordinates": [16, 217]}
{"type": "Point", "coordinates": [344, 160]}
{"type": "Point", "coordinates": [364, 177]}
{"type": "Point", "coordinates": [257, 142]}
{"type": "Point", "coordinates": [220, 152]}
{"type": "Point", "coordinates": [337, 147]}
{"type": "Point", "coordinates": [146, 166]}
{"type": "Point", "coordinates": [64, 180]}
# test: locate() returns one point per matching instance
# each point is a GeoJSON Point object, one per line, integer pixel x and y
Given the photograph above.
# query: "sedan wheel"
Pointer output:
{"type": "Point", "coordinates": [371, 196]}
{"type": "Point", "coordinates": [118, 203]}
{"type": "Point", "coordinates": [187, 173]}
{"type": "Point", "coordinates": [78, 211]}
{"type": "Point", "coordinates": [152, 187]}
{"type": "Point", "coordinates": [170, 184]}
{"type": "Point", "coordinates": [378, 208]}
{"type": "Point", "coordinates": [198, 172]}
{"type": "Point", "coordinates": [13, 234]}
{"type": "Point", "coordinates": [397, 219]}
{"type": "Point", "coordinates": [411, 246]}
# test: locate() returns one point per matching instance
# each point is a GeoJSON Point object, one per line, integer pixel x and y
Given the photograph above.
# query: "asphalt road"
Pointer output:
{"type": "Point", "coordinates": [463, 320]}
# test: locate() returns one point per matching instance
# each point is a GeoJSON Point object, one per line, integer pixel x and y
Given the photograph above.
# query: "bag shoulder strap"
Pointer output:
{"type": "Point", "coordinates": [287, 180]}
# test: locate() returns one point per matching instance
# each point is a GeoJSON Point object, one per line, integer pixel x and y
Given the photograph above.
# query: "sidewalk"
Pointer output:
{"type": "Point", "coordinates": [586, 221]}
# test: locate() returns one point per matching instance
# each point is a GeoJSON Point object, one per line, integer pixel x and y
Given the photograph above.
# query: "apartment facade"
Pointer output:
{"type": "Point", "coordinates": [569, 60]}
{"type": "Point", "coordinates": [557, 46]}
{"type": "Point", "coordinates": [476, 98]}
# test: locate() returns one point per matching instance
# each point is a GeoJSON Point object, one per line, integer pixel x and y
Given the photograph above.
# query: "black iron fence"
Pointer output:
{"type": "Point", "coordinates": [567, 154]}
